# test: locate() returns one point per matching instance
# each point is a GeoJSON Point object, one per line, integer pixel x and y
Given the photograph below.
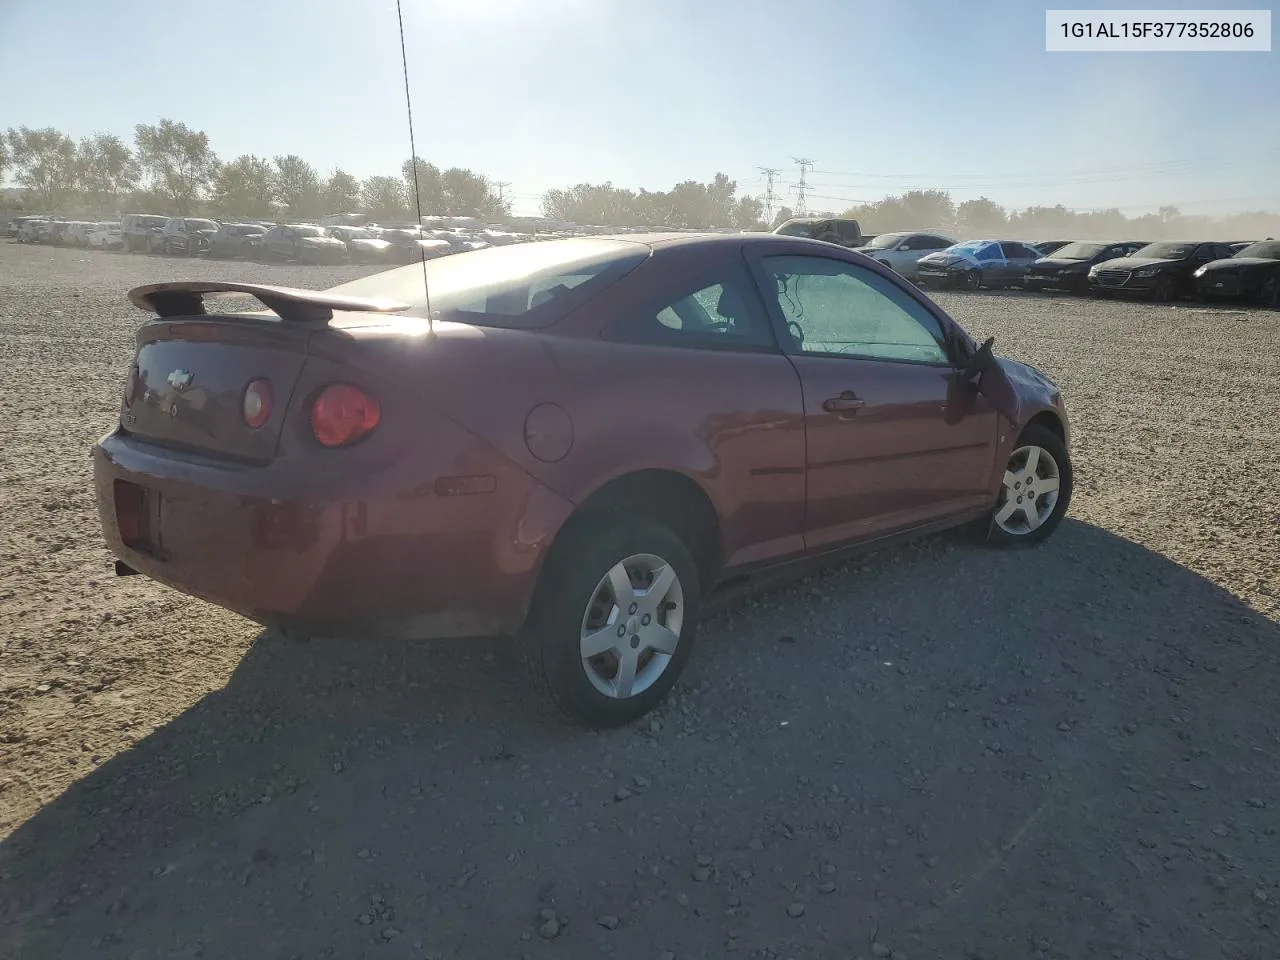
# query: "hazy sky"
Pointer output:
{"type": "Point", "coordinates": [884, 96]}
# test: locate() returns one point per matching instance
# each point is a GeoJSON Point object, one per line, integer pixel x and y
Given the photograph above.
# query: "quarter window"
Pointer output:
{"type": "Point", "coordinates": [721, 311]}
{"type": "Point", "coordinates": [832, 307]}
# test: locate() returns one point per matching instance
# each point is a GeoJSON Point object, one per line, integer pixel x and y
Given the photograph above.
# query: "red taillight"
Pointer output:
{"type": "Point", "coordinates": [343, 414]}
{"type": "Point", "coordinates": [257, 403]}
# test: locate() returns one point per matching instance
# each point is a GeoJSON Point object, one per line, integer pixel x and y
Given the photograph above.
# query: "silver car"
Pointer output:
{"type": "Point", "coordinates": [977, 263]}
{"type": "Point", "coordinates": [900, 251]}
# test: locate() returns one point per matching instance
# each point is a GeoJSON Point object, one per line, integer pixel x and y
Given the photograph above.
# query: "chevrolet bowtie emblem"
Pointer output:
{"type": "Point", "coordinates": [181, 379]}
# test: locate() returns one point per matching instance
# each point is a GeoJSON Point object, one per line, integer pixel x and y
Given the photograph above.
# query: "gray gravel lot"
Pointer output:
{"type": "Point", "coordinates": [938, 752]}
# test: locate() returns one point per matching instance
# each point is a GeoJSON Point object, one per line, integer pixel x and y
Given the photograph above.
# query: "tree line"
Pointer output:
{"type": "Point", "coordinates": [172, 168]}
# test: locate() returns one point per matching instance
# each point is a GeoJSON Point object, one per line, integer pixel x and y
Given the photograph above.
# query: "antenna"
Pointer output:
{"type": "Point", "coordinates": [413, 163]}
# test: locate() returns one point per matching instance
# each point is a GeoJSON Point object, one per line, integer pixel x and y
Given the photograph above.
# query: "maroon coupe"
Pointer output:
{"type": "Point", "coordinates": [571, 441]}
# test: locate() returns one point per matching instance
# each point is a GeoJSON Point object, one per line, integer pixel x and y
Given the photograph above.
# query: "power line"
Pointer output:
{"type": "Point", "coordinates": [804, 164]}
{"type": "Point", "coordinates": [770, 173]}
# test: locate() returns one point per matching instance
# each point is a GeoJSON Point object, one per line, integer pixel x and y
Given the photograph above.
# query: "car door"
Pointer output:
{"type": "Point", "coordinates": [707, 340]}
{"type": "Point", "coordinates": [1022, 257]}
{"type": "Point", "coordinates": [1008, 270]}
{"type": "Point", "coordinates": [894, 439]}
{"type": "Point", "coordinates": [1202, 254]}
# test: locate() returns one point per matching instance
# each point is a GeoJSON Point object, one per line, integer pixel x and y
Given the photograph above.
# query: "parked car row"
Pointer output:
{"type": "Point", "coordinates": [1163, 271]}
{"type": "Point", "coordinates": [257, 240]}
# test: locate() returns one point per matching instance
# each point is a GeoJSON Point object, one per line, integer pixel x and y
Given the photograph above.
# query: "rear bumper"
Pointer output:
{"type": "Point", "coordinates": [410, 561]}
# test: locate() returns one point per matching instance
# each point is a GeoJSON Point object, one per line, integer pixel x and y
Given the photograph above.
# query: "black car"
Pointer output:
{"type": "Point", "coordinates": [1160, 271]}
{"type": "Point", "coordinates": [1252, 274]}
{"type": "Point", "coordinates": [1068, 267]}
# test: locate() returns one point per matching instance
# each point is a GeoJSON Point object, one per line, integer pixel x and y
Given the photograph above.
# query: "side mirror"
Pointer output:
{"type": "Point", "coordinates": [979, 361]}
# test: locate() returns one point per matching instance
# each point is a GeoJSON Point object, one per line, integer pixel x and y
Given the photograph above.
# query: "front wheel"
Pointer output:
{"type": "Point", "coordinates": [1163, 290]}
{"type": "Point", "coordinates": [971, 280]}
{"type": "Point", "coordinates": [614, 620]}
{"type": "Point", "coordinates": [1035, 491]}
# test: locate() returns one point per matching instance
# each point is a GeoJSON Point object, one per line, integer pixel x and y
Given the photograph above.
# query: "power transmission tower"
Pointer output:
{"type": "Point", "coordinates": [804, 164]}
{"type": "Point", "coordinates": [770, 173]}
{"type": "Point", "coordinates": [502, 190]}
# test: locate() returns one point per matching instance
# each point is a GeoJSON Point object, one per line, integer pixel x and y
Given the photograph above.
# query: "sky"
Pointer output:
{"type": "Point", "coordinates": [883, 96]}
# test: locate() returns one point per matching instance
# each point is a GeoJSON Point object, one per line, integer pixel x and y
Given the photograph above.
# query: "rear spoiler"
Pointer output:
{"type": "Point", "coordinates": [185, 298]}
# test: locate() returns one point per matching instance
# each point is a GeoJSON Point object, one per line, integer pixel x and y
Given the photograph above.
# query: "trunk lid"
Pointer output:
{"type": "Point", "coordinates": [186, 391]}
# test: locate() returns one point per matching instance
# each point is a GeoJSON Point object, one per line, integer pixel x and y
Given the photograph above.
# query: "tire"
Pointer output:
{"type": "Point", "coordinates": [1011, 526]}
{"type": "Point", "coordinates": [1162, 292]}
{"type": "Point", "coordinates": [971, 280]}
{"type": "Point", "coordinates": [1269, 295]}
{"type": "Point", "coordinates": [575, 599]}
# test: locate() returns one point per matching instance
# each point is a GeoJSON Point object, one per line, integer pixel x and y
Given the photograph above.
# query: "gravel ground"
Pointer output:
{"type": "Point", "coordinates": [941, 751]}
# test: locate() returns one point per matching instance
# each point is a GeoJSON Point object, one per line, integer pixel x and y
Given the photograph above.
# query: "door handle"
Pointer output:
{"type": "Point", "coordinates": [848, 400]}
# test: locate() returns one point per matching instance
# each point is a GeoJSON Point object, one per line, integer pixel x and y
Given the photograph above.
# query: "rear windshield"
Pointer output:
{"type": "Point", "coordinates": [1263, 249]}
{"type": "Point", "coordinates": [521, 286]}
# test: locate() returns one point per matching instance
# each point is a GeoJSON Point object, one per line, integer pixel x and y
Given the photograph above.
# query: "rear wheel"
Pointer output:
{"type": "Point", "coordinates": [614, 620]}
{"type": "Point", "coordinates": [1035, 491]}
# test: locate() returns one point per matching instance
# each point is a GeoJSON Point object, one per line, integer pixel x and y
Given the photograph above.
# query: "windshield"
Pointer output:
{"type": "Point", "coordinates": [965, 249]}
{"type": "Point", "coordinates": [885, 240]}
{"type": "Point", "coordinates": [201, 225]}
{"type": "Point", "coordinates": [1078, 251]}
{"type": "Point", "coordinates": [1166, 251]}
{"type": "Point", "coordinates": [1263, 249]}
{"type": "Point", "coordinates": [350, 233]}
{"type": "Point", "coordinates": [509, 286]}
{"type": "Point", "coordinates": [801, 229]}
{"type": "Point", "coordinates": [310, 231]}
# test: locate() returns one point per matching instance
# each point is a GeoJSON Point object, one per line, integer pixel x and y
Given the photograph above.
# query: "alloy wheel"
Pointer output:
{"type": "Point", "coordinates": [631, 626]}
{"type": "Point", "coordinates": [1029, 492]}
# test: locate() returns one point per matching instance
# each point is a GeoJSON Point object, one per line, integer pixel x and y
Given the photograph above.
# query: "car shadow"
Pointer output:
{"type": "Point", "coordinates": [1094, 704]}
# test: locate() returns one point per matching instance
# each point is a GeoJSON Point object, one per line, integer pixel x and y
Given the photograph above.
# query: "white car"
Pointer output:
{"type": "Point", "coordinates": [900, 251]}
{"type": "Point", "coordinates": [106, 236]}
{"type": "Point", "coordinates": [77, 234]}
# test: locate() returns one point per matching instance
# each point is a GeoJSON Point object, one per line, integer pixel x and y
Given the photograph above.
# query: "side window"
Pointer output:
{"type": "Point", "coordinates": [849, 230]}
{"type": "Point", "coordinates": [990, 252]}
{"type": "Point", "coordinates": [1012, 251]}
{"type": "Point", "coordinates": [717, 311]}
{"type": "Point", "coordinates": [838, 308]}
